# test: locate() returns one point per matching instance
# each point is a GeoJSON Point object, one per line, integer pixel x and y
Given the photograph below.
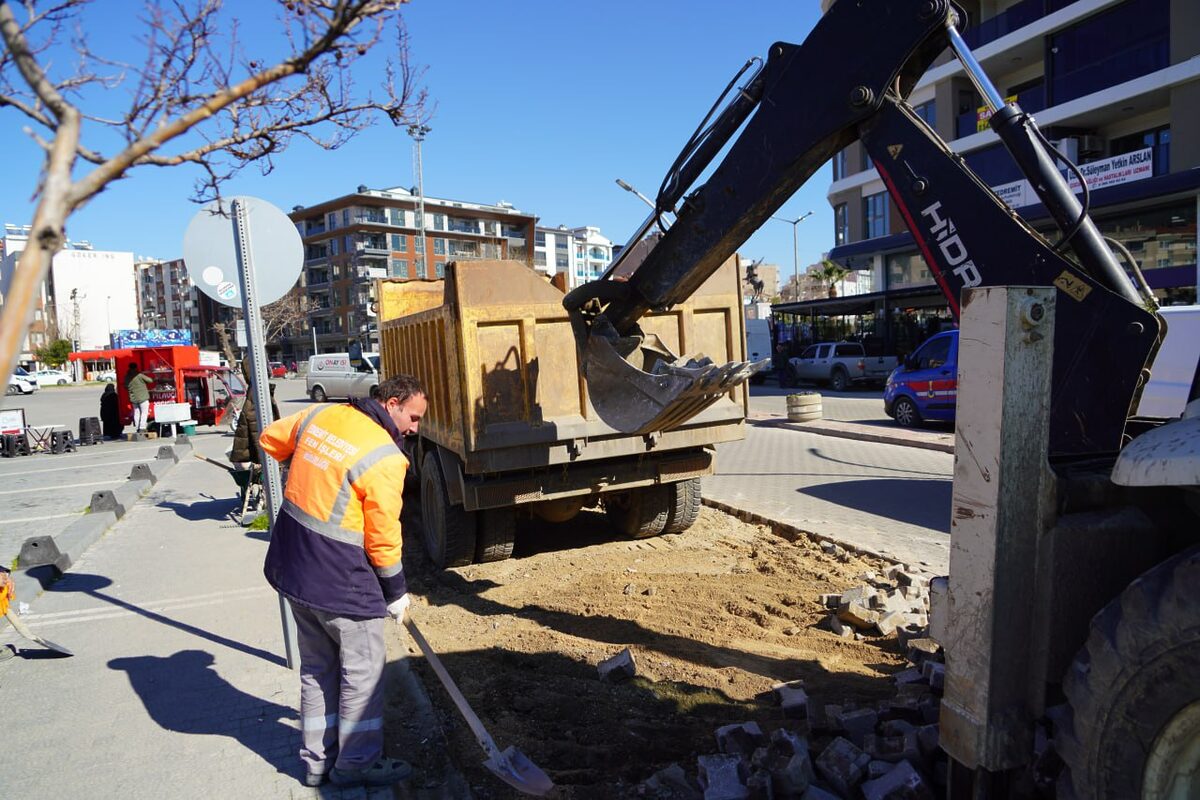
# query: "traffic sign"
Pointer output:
{"type": "Point", "coordinates": [210, 251]}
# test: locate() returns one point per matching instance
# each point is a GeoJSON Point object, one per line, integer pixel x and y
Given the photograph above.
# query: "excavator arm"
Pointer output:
{"type": "Point", "coordinates": [868, 56]}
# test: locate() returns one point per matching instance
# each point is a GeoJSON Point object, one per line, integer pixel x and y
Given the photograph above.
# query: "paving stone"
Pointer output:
{"type": "Point", "coordinates": [893, 748]}
{"type": "Point", "coordinates": [723, 777]}
{"type": "Point", "coordinates": [877, 769]}
{"type": "Point", "coordinates": [921, 650]}
{"type": "Point", "coordinates": [928, 741]}
{"type": "Point", "coordinates": [858, 723]}
{"type": "Point", "coordinates": [740, 739]}
{"type": "Point", "coordinates": [936, 673]}
{"type": "Point", "coordinates": [759, 787]}
{"type": "Point", "coordinates": [902, 783]}
{"type": "Point", "coordinates": [791, 776]}
{"type": "Point", "coordinates": [793, 700]}
{"type": "Point", "coordinates": [857, 614]}
{"type": "Point", "coordinates": [830, 600]}
{"type": "Point", "coordinates": [670, 783]}
{"type": "Point", "coordinates": [912, 675]}
{"type": "Point", "coordinates": [840, 628]}
{"type": "Point", "coordinates": [843, 765]}
{"type": "Point", "coordinates": [618, 668]}
{"type": "Point", "coordinates": [787, 743]}
{"type": "Point", "coordinates": [889, 622]}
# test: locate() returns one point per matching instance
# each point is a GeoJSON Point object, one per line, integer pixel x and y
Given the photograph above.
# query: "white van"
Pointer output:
{"type": "Point", "coordinates": [758, 345]}
{"type": "Point", "coordinates": [331, 376]}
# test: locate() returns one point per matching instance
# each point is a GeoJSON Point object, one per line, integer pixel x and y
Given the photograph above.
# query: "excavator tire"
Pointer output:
{"type": "Point", "coordinates": [685, 505]}
{"type": "Point", "coordinates": [642, 512]}
{"type": "Point", "coordinates": [495, 535]}
{"type": "Point", "coordinates": [1133, 726]}
{"type": "Point", "coordinates": [449, 530]}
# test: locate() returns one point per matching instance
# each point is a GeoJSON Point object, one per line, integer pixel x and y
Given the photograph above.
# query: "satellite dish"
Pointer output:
{"type": "Point", "coordinates": [211, 255]}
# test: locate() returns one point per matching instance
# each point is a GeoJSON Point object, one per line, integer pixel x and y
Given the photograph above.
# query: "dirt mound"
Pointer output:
{"type": "Point", "coordinates": [714, 618]}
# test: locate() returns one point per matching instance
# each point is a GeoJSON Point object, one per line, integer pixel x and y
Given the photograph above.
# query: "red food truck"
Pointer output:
{"type": "Point", "coordinates": [179, 377]}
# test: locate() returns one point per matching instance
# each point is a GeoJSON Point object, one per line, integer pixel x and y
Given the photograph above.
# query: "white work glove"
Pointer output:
{"type": "Point", "coordinates": [398, 608]}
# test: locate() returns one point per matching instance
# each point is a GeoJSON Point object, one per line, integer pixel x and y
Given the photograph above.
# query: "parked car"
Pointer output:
{"type": "Point", "coordinates": [925, 386]}
{"type": "Point", "coordinates": [758, 345]}
{"type": "Point", "coordinates": [278, 369]}
{"type": "Point", "coordinates": [21, 382]}
{"type": "Point", "coordinates": [108, 376]}
{"type": "Point", "coordinates": [839, 364]}
{"type": "Point", "coordinates": [53, 377]}
{"type": "Point", "coordinates": [330, 375]}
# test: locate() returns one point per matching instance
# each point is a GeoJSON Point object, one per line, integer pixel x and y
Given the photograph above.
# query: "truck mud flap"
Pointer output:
{"type": "Point", "coordinates": [635, 401]}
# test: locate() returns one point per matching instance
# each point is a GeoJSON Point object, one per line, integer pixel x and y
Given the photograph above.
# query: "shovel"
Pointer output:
{"type": "Point", "coordinates": [511, 766]}
{"type": "Point", "coordinates": [23, 629]}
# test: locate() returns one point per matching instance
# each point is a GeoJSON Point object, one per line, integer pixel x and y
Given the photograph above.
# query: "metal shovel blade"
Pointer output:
{"type": "Point", "coordinates": [514, 768]}
{"type": "Point", "coordinates": [511, 766]}
{"type": "Point", "coordinates": [23, 629]}
{"type": "Point", "coordinates": [634, 401]}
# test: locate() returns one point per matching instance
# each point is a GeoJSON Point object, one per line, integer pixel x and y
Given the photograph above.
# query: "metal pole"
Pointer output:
{"type": "Point", "coordinates": [312, 326]}
{"type": "Point", "coordinates": [256, 347]}
{"type": "Point", "coordinates": [417, 132]}
{"type": "Point", "coordinates": [796, 259]}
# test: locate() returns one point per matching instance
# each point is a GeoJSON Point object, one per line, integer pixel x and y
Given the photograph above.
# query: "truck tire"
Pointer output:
{"type": "Point", "coordinates": [495, 534]}
{"type": "Point", "coordinates": [839, 380]}
{"type": "Point", "coordinates": [685, 506]}
{"type": "Point", "coordinates": [1133, 725]}
{"type": "Point", "coordinates": [640, 513]}
{"type": "Point", "coordinates": [904, 411]}
{"type": "Point", "coordinates": [449, 530]}
{"type": "Point", "coordinates": [318, 394]}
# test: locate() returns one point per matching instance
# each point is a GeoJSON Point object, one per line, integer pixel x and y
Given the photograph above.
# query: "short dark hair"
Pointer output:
{"type": "Point", "coordinates": [401, 387]}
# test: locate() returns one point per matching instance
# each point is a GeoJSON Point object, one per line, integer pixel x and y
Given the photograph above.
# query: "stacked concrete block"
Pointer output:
{"type": "Point", "coordinates": [618, 668]}
{"type": "Point", "coordinates": [843, 766]}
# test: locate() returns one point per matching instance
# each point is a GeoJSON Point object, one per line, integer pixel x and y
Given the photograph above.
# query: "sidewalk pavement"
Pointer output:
{"type": "Point", "coordinates": [178, 686]}
{"type": "Point", "coordinates": [881, 432]}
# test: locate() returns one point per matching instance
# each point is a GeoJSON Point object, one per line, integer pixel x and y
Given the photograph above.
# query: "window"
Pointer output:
{"type": "Point", "coordinates": [875, 215]}
{"type": "Point", "coordinates": [561, 261]}
{"type": "Point", "coordinates": [927, 112]}
{"type": "Point", "coordinates": [396, 216]}
{"type": "Point", "coordinates": [439, 268]}
{"type": "Point", "coordinates": [934, 354]}
{"type": "Point", "coordinates": [851, 350]}
{"type": "Point", "coordinates": [822, 351]}
{"type": "Point", "coordinates": [841, 224]}
{"type": "Point", "coordinates": [418, 220]}
{"type": "Point", "coordinates": [560, 243]}
{"type": "Point", "coordinates": [810, 352]}
{"type": "Point", "coordinates": [839, 165]}
{"type": "Point", "coordinates": [539, 258]}
{"type": "Point", "coordinates": [867, 162]}
{"type": "Point", "coordinates": [418, 244]}
{"type": "Point", "coordinates": [439, 247]}
{"type": "Point", "coordinates": [331, 220]}
{"type": "Point", "coordinates": [1128, 40]}
{"type": "Point", "coordinates": [334, 244]}
{"type": "Point", "coordinates": [439, 222]}
{"type": "Point", "coordinates": [399, 268]}
{"type": "Point", "coordinates": [421, 270]}
{"type": "Point", "coordinates": [539, 238]}
{"type": "Point", "coordinates": [399, 244]}
{"type": "Point", "coordinates": [345, 217]}
{"type": "Point", "coordinates": [907, 269]}
{"type": "Point", "coordinates": [1157, 139]}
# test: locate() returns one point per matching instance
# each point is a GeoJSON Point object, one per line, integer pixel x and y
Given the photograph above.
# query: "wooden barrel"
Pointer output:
{"type": "Point", "coordinates": [804, 407]}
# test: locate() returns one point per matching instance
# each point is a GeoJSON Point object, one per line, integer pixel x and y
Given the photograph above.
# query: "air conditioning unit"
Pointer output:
{"type": "Point", "coordinates": [1091, 145]}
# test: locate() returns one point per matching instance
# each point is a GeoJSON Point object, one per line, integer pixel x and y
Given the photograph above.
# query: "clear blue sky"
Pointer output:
{"type": "Point", "coordinates": [540, 103]}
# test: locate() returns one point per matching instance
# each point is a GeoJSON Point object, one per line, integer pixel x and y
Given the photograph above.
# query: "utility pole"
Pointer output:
{"type": "Point", "coordinates": [418, 132]}
{"type": "Point", "coordinates": [795, 250]}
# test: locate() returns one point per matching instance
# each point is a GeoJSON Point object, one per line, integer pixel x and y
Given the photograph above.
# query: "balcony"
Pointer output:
{"type": "Point", "coordinates": [372, 219]}
{"type": "Point", "coordinates": [1014, 17]}
{"type": "Point", "coordinates": [317, 279]}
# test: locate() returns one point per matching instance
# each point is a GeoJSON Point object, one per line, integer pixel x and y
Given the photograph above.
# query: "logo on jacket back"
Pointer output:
{"type": "Point", "coordinates": [951, 245]}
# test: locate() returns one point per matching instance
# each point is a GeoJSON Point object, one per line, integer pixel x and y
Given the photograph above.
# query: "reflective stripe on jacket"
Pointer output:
{"type": "Point", "coordinates": [336, 543]}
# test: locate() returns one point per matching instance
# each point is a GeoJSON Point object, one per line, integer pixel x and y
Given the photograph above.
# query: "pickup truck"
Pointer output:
{"type": "Point", "coordinates": [839, 364]}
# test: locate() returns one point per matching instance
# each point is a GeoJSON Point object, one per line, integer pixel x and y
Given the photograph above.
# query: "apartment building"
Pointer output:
{"type": "Point", "coordinates": [1115, 84]}
{"type": "Point", "coordinates": [86, 295]}
{"type": "Point", "coordinates": [582, 253]}
{"type": "Point", "coordinates": [352, 239]}
{"type": "Point", "coordinates": [166, 297]}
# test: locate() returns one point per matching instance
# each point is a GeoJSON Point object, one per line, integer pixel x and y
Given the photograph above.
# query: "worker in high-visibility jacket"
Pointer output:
{"type": "Point", "coordinates": [335, 555]}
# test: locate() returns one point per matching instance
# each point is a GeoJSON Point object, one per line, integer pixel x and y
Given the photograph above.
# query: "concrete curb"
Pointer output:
{"type": "Point", "coordinates": [861, 433]}
{"type": "Point", "coordinates": [791, 532]}
{"type": "Point", "coordinates": [106, 508]}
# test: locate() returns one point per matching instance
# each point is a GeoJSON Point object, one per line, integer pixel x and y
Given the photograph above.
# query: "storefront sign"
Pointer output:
{"type": "Point", "coordinates": [984, 113]}
{"type": "Point", "coordinates": [151, 338]}
{"type": "Point", "coordinates": [1125, 168]}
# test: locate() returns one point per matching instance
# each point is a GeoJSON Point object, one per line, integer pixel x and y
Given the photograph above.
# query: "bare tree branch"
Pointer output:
{"type": "Point", "coordinates": [194, 89]}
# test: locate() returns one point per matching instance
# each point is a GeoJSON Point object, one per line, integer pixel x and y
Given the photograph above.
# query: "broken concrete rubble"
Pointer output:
{"type": "Point", "coordinates": [723, 777]}
{"type": "Point", "coordinates": [843, 765]}
{"type": "Point", "coordinates": [902, 783]}
{"type": "Point", "coordinates": [618, 668]}
{"type": "Point", "coordinates": [740, 739]}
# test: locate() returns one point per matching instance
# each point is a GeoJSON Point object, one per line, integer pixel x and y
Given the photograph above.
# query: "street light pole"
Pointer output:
{"type": "Point", "coordinates": [418, 133]}
{"type": "Point", "coordinates": [795, 249]}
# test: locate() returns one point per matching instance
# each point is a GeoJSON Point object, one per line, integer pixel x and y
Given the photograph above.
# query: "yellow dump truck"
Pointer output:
{"type": "Point", "coordinates": [510, 428]}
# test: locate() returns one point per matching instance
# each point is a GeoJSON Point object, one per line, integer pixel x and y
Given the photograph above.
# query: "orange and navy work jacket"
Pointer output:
{"type": "Point", "coordinates": [336, 542]}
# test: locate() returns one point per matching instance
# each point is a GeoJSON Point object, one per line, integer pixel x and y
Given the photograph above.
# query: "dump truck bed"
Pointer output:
{"type": "Point", "coordinates": [498, 358]}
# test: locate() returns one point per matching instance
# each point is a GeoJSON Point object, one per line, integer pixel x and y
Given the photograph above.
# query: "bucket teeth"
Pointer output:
{"type": "Point", "coordinates": [634, 401]}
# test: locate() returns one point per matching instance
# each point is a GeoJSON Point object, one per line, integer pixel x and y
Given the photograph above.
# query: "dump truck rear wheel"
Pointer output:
{"type": "Point", "coordinates": [449, 529]}
{"type": "Point", "coordinates": [495, 535]}
{"type": "Point", "coordinates": [1133, 729]}
{"type": "Point", "coordinates": [640, 513]}
{"type": "Point", "coordinates": [685, 505]}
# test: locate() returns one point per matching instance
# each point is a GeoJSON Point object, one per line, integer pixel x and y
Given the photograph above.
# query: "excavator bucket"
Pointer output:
{"type": "Point", "coordinates": [639, 386]}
